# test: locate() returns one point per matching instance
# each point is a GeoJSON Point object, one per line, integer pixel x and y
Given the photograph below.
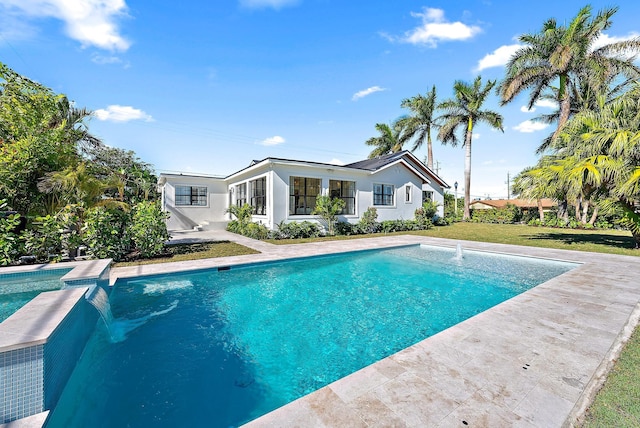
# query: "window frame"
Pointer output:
{"type": "Point", "coordinates": [295, 199]}
{"type": "Point", "coordinates": [408, 193]}
{"type": "Point", "coordinates": [258, 195]}
{"type": "Point", "coordinates": [379, 198]}
{"type": "Point", "coordinates": [427, 195]}
{"type": "Point", "coordinates": [194, 197]}
{"type": "Point", "coordinates": [345, 197]}
{"type": "Point", "coordinates": [241, 194]}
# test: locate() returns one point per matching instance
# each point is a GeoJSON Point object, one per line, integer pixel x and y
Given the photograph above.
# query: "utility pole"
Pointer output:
{"type": "Point", "coordinates": [437, 167]}
{"type": "Point", "coordinates": [508, 186]}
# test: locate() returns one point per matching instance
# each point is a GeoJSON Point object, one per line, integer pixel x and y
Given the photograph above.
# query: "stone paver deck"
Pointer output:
{"type": "Point", "coordinates": [533, 361]}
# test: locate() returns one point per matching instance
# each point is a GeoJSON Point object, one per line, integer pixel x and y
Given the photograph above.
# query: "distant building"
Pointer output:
{"type": "Point", "coordinates": [525, 204]}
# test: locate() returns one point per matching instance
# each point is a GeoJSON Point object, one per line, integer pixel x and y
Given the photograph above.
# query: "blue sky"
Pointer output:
{"type": "Point", "coordinates": [208, 86]}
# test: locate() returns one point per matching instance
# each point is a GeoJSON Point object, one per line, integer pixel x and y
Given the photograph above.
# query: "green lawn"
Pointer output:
{"type": "Point", "coordinates": [618, 402]}
{"type": "Point", "coordinates": [182, 252]}
{"type": "Point", "coordinates": [599, 241]}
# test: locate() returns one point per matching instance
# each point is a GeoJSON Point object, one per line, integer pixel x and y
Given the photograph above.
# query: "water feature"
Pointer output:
{"type": "Point", "coordinates": [247, 340]}
{"type": "Point", "coordinates": [458, 256]}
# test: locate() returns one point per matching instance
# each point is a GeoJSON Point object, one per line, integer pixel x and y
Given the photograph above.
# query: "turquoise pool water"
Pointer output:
{"type": "Point", "coordinates": [17, 289]}
{"type": "Point", "coordinates": [220, 348]}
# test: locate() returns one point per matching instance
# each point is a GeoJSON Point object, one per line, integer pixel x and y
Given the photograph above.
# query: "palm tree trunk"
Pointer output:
{"type": "Point", "coordinates": [585, 212]}
{"type": "Point", "coordinates": [540, 210]}
{"type": "Point", "coordinates": [592, 221]}
{"type": "Point", "coordinates": [467, 172]}
{"type": "Point", "coordinates": [429, 152]}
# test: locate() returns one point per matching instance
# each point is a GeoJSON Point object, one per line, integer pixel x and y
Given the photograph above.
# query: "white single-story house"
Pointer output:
{"type": "Point", "coordinates": [286, 190]}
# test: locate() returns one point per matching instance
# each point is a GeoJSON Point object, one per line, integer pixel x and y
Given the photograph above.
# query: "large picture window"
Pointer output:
{"type": "Point", "coordinates": [191, 195]}
{"type": "Point", "coordinates": [382, 194]}
{"type": "Point", "coordinates": [259, 195]}
{"type": "Point", "coordinates": [345, 190]}
{"type": "Point", "coordinates": [303, 192]}
{"type": "Point", "coordinates": [241, 194]}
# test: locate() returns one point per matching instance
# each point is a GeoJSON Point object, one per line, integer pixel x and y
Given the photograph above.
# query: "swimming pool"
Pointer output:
{"type": "Point", "coordinates": [16, 289]}
{"type": "Point", "coordinates": [228, 346]}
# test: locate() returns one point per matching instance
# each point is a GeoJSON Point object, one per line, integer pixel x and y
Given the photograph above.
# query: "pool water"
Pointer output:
{"type": "Point", "coordinates": [17, 289]}
{"type": "Point", "coordinates": [220, 348]}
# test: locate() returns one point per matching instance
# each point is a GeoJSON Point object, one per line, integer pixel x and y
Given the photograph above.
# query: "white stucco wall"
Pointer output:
{"type": "Point", "coordinates": [222, 192]}
{"type": "Point", "coordinates": [184, 217]}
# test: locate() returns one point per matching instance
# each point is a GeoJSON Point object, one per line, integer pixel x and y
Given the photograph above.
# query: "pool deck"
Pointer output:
{"type": "Point", "coordinates": [535, 360]}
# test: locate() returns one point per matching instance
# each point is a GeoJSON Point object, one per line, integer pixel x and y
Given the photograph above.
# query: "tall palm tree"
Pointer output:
{"type": "Point", "coordinates": [464, 112]}
{"type": "Point", "coordinates": [419, 123]}
{"type": "Point", "coordinates": [387, 142]}
{"type": "Point", "coordinates": [561, 55]}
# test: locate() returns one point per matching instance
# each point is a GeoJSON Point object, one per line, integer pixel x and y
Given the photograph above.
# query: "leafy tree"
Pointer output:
{"type": "Point", "coordinates": [418, 124]}
{"type": "Point", "coordinates": [33, 140]}
{"type": "Point", "coordinates": [564, 55]}
{"type": "Point", "coordinates": [463, 112]}
{"type": "Point", "coordinates": [328, 209]}
{"type": "Point", "coordinates": [129, 179]}
{"type": "Point", "coordinates": [387, 142]}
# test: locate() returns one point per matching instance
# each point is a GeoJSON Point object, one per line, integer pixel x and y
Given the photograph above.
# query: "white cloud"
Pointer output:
{"type": "Point", "coordinates": [605, 39]}
{"type": "Point", "coordinates": [529, 126]}
{"type": "Point", "coordinates": [272, 141]}
{"type": "Point", "coordinates": [336, 161]}
{"type": "Point", "coordinates": [540, 103]}
{"type": "Point", "coordinates": [92, 23]}
{"type": "Point", "coordinates": [546, 103]}
{"type": "Point", "coordinates": [435, 29]}
{"type": "Point", "coordinates": [498, 57]}
{"type": "Point", "coordinates": [260, 4]}
{"type": "Point", "coordinates": [118, 113]}
{"type": "Point", "coordinates": [475, 136]}
{"type": "Point", "coordinates": [365, 92]}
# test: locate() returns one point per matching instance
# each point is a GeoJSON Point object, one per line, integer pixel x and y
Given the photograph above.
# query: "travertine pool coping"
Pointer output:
{"type": "Point", "coordinates": [532, 361]}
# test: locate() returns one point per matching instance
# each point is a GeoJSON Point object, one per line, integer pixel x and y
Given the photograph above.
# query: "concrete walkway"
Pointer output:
{"type": "Point", "coordinates": [533, 361]}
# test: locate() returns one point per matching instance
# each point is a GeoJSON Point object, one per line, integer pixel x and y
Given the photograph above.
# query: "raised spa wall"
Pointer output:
{"type": "Point", "coordinates": [41, 343]}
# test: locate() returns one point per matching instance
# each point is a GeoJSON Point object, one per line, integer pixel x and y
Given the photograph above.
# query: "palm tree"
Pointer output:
{"type": "Point", "coordinates": [419, 123]}
{"type": "Point", "coordinates": [388, 141]}
{"type": "Point", "coordinates": [464, 111]}
{"type": "Point", "coordinates": [563, 55]}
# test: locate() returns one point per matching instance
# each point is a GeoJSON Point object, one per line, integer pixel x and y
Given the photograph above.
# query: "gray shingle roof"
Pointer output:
{"type": "Point", "coordinates": [377, 163]}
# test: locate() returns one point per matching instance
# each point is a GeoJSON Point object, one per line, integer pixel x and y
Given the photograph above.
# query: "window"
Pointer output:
{"type": "Point", "coordinates": [302, 194]}
{"type": "Point", "coordinates": [427, 196]}
{"type": "Point", "coordinates": [191, 195]}
{"type": "Point", "coordinates": [382, 194]}
{"type": "Point", "coordinates": [241, 194]}
{"type": "Point", "coordinates": [407, 193]}
{"type": "Point", "coordinates": [345, 190]}
{"type": "Point", "coordinates": [259, 195]}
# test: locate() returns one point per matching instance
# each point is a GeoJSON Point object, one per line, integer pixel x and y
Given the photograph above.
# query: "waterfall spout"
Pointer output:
{"type": "Point", "coordinates": [100, 300]}
{"type": "Point", "coordinates": [458, 256]}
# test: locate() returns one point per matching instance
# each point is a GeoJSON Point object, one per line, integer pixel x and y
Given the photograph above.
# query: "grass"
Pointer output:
{"type": "Point", "coordinates": [197, 251]}
{"type": "Point", "coordinates": [599, 241]}
{"type": "Point", "coordinates": [617, 404]}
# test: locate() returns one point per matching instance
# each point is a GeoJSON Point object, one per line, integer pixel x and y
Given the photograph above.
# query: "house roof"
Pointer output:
{"type": "Point", "coordinates": [371, 165]}
{"type": "Point", "coordinates": [522, 203]}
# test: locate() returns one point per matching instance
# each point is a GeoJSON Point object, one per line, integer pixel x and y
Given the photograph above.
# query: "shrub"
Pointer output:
{"type": "Point", "coordinates": [256, 231]}
{"type": "Point", "coordinates": [44, 239]}
{"type": "Point", "coordinates": [389, 226]}
{"type": "Point", "coordinates": [296, 230]}
{"type": "Point", "coordinates": [368, 222]}
{"type": "Point", "coordinates": [9, 244]}
{"type": "Point", "coordinates": [506, 215]}
{"type": "Point", "coordinates": [148, 228]}
{"type": "Point", "coordinates": [328, 209]}
{"type": "Point", "coordinates": [346, 228]}
{"type": "Point", "coordinates": [105, 233]}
